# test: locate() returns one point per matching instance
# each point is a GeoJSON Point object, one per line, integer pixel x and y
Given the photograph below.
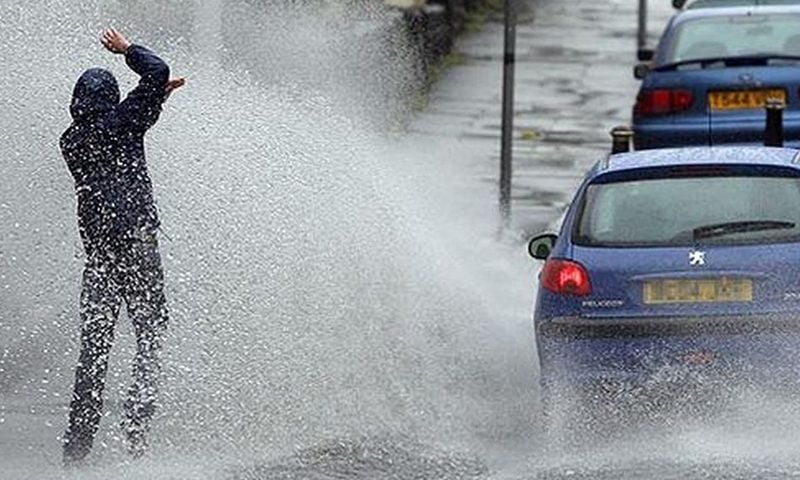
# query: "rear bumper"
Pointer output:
{"type": "Point", "coordinates": [664, 327]}
{"type": "Point", "coordinates": [650, 134]}
{"type": "Point", "coordinates": [758, 348]}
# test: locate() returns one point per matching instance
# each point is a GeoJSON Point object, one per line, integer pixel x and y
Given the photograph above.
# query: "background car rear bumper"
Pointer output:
{"type": "Point", "coordinates": [669, 135]}
{"type": "Point", "coordinates": [666, 133]}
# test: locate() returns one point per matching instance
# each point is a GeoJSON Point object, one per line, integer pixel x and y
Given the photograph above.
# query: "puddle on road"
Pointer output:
{"type": "Point", "coordinates": [368, 459]}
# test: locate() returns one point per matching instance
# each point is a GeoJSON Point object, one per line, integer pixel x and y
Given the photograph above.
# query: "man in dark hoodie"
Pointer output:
{"type": "Point", "coordinates": [117, 220]}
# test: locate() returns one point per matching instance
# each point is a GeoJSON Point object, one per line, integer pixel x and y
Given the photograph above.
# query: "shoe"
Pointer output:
{"type": "Point", "coordinates": [136, 436]}
{"type": "Point", "coordinates": [75, 453]}
{"type": "Point", "coordinates": [137, 443]}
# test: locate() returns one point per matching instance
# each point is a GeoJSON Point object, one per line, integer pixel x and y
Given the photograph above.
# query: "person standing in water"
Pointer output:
{"type": "Point", "coordinates": [118, 223]}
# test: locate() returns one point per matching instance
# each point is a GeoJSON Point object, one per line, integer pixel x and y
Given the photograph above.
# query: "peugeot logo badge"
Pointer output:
{"type": "Point", "coordinates": [697, 258]}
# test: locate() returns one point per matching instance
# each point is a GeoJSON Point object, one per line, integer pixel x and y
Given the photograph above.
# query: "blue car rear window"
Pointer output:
{"type": "Point", "coordinates": [734, 36]}
{"type": "Point", "coordinates": [671, 211]}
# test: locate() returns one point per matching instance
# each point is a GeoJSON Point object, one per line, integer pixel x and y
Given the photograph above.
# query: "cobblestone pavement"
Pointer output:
{"type": "Point", "coordinates": [574, 82]}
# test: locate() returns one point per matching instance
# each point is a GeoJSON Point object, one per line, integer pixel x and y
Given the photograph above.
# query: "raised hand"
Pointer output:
{"type": "Point", "coordinates": [174, 84]}
{"type": "Point", "coordinates": [114, 41]}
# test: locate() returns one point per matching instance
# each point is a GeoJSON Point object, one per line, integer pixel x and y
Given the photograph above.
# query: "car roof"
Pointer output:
{"type": "Point", "coordinates": [729, 3]}
{"type": "Point", "coordinates": [695, 13]}
{"type": "Point", "coordinates": [701, 156]}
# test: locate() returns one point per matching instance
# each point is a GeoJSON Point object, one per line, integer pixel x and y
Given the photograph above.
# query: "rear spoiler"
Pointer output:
{"type": "Point", "coordinates": [733, 169]}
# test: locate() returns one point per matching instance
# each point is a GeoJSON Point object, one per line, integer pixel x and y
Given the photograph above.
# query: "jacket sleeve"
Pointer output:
{"type": "Point", "coordinates": [141, 108]}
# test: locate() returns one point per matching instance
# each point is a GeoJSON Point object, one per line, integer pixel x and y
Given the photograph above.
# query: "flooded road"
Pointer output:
{"type": "Point", "coordinates": [341, 303]}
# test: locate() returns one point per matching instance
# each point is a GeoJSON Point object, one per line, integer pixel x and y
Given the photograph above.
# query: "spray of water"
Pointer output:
{"type": "Point", "coordinates": [324, 281]}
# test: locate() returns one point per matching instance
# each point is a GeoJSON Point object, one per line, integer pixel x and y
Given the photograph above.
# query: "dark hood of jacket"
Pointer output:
{"type": "Point", "coordinates": [95, 92]}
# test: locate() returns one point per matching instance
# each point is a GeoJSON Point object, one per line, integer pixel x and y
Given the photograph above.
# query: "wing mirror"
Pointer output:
{"type": "Point", "coordinates": [645, 54]}
{"type": "Point", "coordinates": [678, 4]}
{"type": "Point", "coordinates": [540, 246]}
{"type": "Point", "coordinates": [641, 70]}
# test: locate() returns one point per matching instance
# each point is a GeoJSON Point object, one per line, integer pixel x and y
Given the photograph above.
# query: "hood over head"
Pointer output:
{"type": "Point", "coordinates": [95, 92]}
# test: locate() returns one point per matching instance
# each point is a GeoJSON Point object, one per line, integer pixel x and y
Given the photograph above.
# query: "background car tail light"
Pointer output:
{"type": "Point", "coordinates": [663, 101]}
{"type": "Point", "coordinates": [565, 277]}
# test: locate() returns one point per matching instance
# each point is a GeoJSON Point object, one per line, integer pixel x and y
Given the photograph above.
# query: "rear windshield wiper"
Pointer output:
{"type": "Point", "coordinates": [720, 229]}
{"type": "Point", "coordinates": [728, 61]}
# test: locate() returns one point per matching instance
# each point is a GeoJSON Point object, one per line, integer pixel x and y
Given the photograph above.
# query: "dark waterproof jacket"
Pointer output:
{"type": "Point", "coordinates": [104, 150]}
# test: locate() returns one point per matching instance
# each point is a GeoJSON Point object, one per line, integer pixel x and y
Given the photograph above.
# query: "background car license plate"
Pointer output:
{"type": "Point", "coordinates": [698, 291]}
{"type": "Point", "coordinates": [742, 99]}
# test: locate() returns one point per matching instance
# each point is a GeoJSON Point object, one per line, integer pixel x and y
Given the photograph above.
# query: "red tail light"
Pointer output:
{"type": "Point", "coordinates": [565, 277]}
{"type": "Point", "coordinates": [663, 101]}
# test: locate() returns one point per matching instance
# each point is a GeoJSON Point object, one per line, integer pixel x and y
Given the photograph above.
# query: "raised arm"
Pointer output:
{"type": "Point", "coordinates": [141, 108]}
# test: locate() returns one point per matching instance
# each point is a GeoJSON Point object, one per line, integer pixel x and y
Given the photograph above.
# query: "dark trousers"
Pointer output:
{"type": "Point", "coordinates": [128, 270]}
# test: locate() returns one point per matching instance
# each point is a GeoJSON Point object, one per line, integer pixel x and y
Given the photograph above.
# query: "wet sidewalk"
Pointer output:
{"type": "Point", "coordinates": [574, 82]}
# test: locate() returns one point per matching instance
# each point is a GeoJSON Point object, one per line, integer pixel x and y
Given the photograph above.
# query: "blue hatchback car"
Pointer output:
{"type": "Point", "coordinates": [672, 262]}
{"type": "Point", "coordinates": [712, 73]}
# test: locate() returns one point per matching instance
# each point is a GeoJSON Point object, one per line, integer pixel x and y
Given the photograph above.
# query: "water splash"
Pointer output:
{"type": "Point", "coordinates": [322, 282]}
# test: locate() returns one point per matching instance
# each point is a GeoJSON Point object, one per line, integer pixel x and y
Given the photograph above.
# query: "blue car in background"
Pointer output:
{"type": "Point", "coordinates": [712, 73]}
{"type": "Point", "coordinates": [670, 264]}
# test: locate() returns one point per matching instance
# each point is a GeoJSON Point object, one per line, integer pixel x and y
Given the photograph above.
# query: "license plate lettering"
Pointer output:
{"type": "Point", "coordinates": [698, 291]}
{"type": "Point", "coordinates": [709, 291]}
{"type": "Point", "coordinates": [743, 99]}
